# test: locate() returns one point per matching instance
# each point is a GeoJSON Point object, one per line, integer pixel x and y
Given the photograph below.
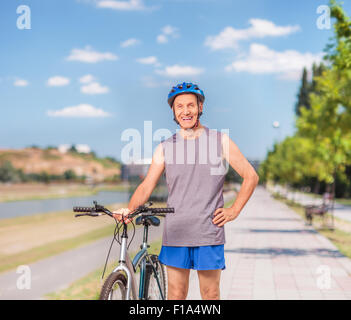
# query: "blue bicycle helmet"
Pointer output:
{"type": "Point", "coordinates": [185, 87]}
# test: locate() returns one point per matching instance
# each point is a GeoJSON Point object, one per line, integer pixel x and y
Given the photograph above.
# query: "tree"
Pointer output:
{"type": "Point", "coordinates": [73, 149]}
{"type": "Point", "coordinates": [302, 97]}
{"type": "Point", "coordinates": [8, 173]}
{"type": "Point", "coordinates": [307, 87]}
{"type": "Point", "coordinates": [69, 175]}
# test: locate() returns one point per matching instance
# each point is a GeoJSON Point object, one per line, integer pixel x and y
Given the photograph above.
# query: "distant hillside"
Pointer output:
{"type": "Point", "coordinates": [52, 162]}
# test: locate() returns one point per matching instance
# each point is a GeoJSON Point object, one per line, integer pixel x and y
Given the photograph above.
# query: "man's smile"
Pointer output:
{"type": "Point", "coordinates": [187, 119]}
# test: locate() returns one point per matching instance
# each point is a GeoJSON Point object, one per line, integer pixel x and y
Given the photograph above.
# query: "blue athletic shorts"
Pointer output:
{"type": "Point", "coordinates": [198, 258]}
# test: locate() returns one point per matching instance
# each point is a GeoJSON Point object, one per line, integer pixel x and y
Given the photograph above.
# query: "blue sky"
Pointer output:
{"type": "Point", "coordinates": [87, 70]}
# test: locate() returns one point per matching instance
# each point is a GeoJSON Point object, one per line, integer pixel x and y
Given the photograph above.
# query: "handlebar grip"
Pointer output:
{"type": "Point", "coordinates": [83, 209]}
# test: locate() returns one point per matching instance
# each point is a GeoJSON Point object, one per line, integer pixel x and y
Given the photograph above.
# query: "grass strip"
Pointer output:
{"type": "Point", "coordinates": [81, 191]}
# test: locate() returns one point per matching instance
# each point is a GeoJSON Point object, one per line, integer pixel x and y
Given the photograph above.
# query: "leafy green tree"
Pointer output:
{"type": "Point", "coordinates": [73, 149]}
{"type": "Point", "coordinates": [69, 175]}
{"type": "Point", "coordinates": [8, 173]}
{"type": "Point", "coordinates": [302, 98]}
{"type": "Point", "coordinates": [307, 87]}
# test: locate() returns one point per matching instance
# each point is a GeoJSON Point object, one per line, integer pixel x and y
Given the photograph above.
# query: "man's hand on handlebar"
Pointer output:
{"type": "Point", "coordinates": [122, 214]}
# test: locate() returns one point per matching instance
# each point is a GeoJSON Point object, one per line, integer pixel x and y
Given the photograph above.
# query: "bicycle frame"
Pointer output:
{"type": "Point", "coordinates": [140, 260]}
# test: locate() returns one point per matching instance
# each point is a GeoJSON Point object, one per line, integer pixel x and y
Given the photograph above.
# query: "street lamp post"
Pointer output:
{"type": "Point", "coordinates": [276, 125]}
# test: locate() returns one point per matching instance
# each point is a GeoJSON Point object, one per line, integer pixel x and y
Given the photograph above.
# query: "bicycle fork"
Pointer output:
{"type": "Point", "coordinates": [126, 265]}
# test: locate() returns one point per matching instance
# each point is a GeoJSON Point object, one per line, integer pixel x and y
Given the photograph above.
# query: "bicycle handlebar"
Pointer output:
{"type": "Point", "coordinates": [144, 210]}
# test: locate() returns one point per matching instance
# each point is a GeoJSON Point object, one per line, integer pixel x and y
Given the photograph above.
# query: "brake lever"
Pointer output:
{"type": "Point", "coordinates": [95, 214]}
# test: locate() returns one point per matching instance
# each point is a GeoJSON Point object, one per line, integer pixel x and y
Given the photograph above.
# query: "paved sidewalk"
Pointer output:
{"type": "Point", "coordinates": [271, 254]}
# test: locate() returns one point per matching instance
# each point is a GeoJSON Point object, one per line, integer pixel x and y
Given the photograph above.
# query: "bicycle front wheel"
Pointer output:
{"type": "Point", "coordinates": [155, 280]}
{"type": "Point", "coordinates": [115, 287]}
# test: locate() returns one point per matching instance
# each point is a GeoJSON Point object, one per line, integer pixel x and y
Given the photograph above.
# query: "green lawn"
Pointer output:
{"type": "Point", "coordinates": [57, 192]}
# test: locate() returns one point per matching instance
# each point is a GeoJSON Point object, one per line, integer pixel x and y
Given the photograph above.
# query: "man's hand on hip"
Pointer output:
{"type": "Point", "coordinates": [224, 215]}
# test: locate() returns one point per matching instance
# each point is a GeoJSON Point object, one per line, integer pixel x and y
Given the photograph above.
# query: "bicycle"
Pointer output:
{"type": "Point", "coordinates": [121, 283]}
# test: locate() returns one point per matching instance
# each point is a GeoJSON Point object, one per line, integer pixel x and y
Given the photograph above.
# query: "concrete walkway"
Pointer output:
{"type": "Point", "coordinates": [271, 254]}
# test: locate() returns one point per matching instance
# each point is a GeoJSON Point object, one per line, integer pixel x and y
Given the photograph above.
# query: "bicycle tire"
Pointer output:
{"type": "Point", "coordinates": [152, 291]}
{"type": "Point", "coordinates": [115, 287]}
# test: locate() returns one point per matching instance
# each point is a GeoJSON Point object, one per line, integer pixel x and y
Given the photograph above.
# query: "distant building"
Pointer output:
{"type": "Point", "coordinates": [63, 148]}
{"type": "Point", "coordinates": [135, 169]}
{"type": "Point", "coordinates": [83, 148]}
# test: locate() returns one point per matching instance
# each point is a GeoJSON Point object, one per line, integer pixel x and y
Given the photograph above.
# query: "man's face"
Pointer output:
{"type": "Point", "coordinates": [186, 110]}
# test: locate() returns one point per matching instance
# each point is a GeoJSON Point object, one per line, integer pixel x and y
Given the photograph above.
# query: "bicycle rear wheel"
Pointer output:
{"type": "Point", "coordinates": [115, 287]}
{"type": "Point", "coordinates": [152, 287]}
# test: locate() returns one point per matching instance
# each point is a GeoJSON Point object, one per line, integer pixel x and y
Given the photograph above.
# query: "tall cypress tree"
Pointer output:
{"type": "Point", "coordinates": [302, 97]}
{"type": "Point", "coordinates": [308, 87]}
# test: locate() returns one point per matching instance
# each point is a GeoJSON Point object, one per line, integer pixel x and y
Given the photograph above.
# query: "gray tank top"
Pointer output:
{"type": "Point", "coordinates": [195, 173]}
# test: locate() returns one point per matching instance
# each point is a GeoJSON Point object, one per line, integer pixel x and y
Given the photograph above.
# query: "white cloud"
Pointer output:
{"type": "Point", "coordinates": [79, 111]}
{"type": "Point", "coordinates": [94, 88]}
{"type": "Point", "coordinates": [167, 31]}
{"type": "Point", "coordinates": [161, 38]}
{"type": "Point", "coordinates": [178, 71]}
{"type": "Point", "coordinates": [130, 42]}
{"type": "Point", "coordinates": [229, 36]}
{"type": "Point", "coordinates": [130, 5]}
{"type": "Point", "coordinates": [88, 55]}
{"type": "Point", "coordinates": [21, 83]}
{"type": "Point", "coordinates": [58, 81]}
{"type": "Point", "coordinates": [86, 79]}
{"type": "Point", "coordinates": [149, 60]}
{"type": "Point", "coordinates": [262, 60]}
{"type": "Point", "coordinates": [150, 82]}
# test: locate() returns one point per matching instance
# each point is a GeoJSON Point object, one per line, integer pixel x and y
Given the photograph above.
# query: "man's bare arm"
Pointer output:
{"type": "Point", "coordinates": [240, 164]}
{"type": "Point", "coordinates": [144, 190]}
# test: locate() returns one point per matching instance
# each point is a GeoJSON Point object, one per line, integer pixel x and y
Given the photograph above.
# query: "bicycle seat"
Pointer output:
{"type": "Point", "coordinates": [154, 221]}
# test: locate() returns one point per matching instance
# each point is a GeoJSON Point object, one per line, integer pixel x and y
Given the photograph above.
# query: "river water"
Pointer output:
{"type": "Point", "coordinates": [25, 208]}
